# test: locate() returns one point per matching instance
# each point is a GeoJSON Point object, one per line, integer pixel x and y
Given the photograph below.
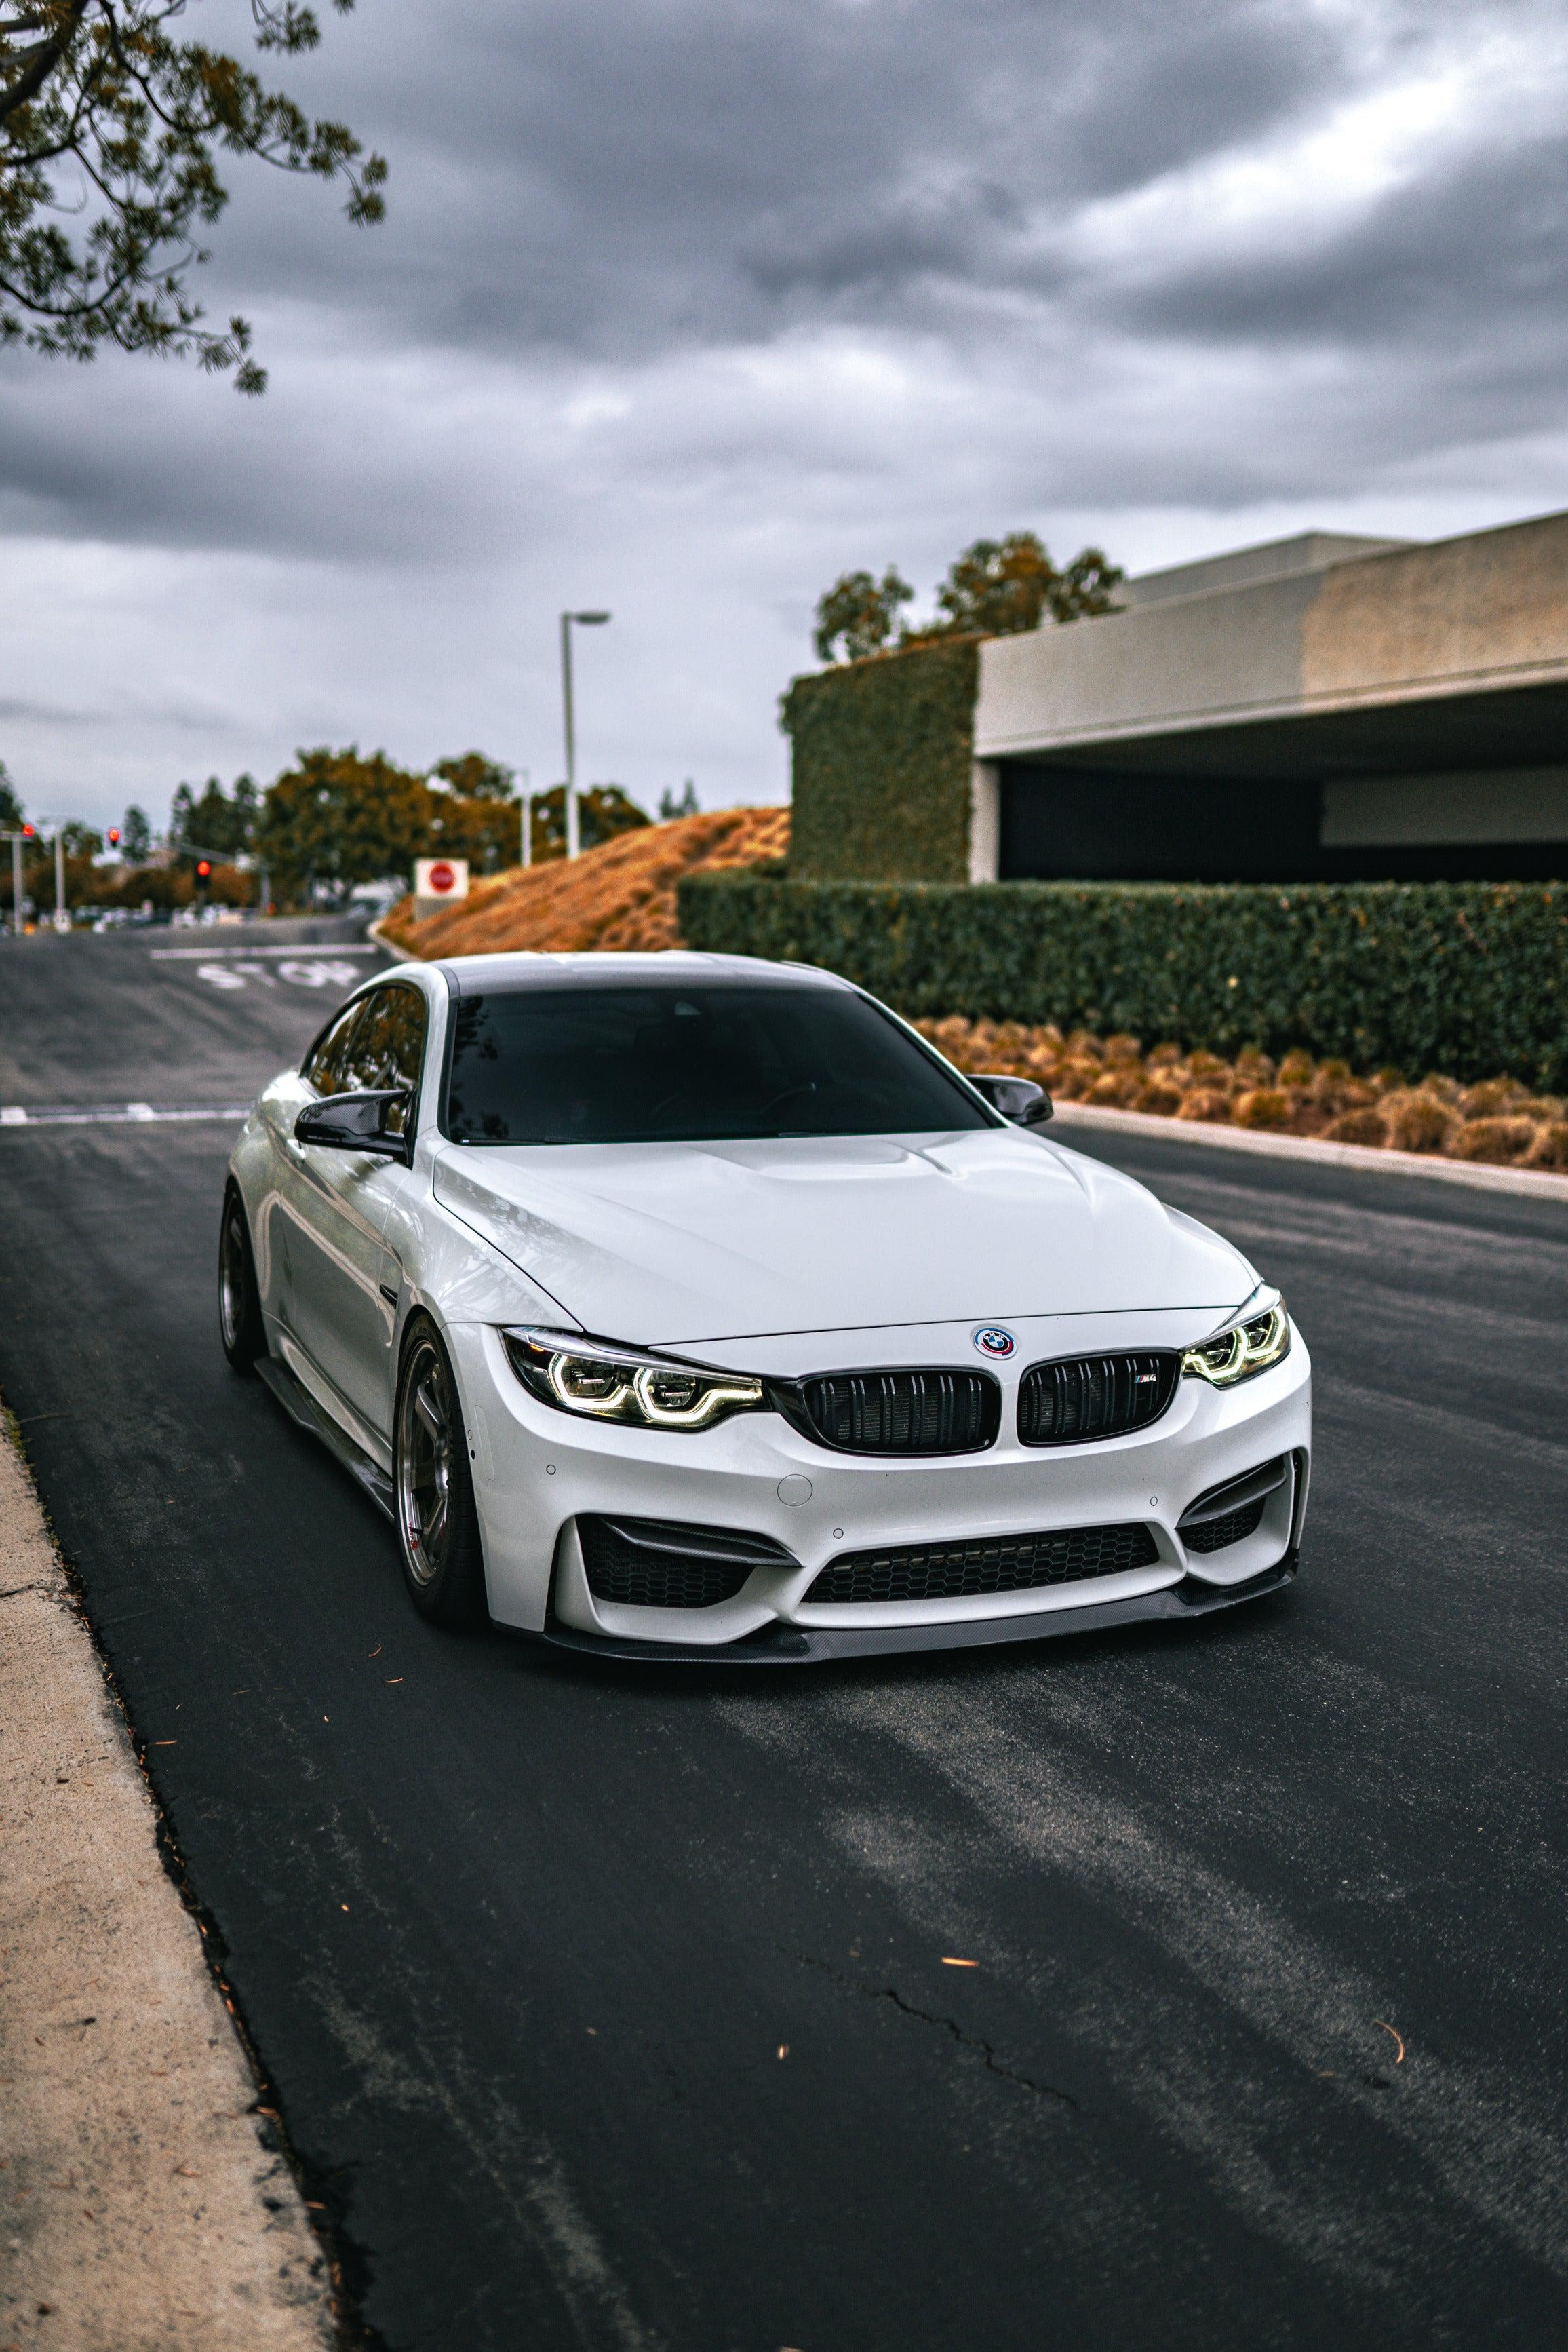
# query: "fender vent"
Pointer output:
{"type": "Point", "coordinates": [988, 1564]}
{"type": "Point", "coordinates": [1084, 1397]}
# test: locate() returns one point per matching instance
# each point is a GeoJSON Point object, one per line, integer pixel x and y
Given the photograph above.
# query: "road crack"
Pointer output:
{"type": "Point", "coordinates": [975, 2042]}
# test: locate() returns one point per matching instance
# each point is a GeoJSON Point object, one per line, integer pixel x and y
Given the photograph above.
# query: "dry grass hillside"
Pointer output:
{"type": "Point", "coordinates": [619, 896]}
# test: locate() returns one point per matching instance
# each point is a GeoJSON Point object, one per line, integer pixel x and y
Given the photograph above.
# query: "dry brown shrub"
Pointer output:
{"type": "Point", "coordinates": [1387, 1080]}
{"type": "Point", "coordinates": [1082, 1046]}
{"type": "Point", "coordinates": [1160, 1101]}
{"type": "Point", "coordinates": [1363, 1126]}
{"type": "Point", "coordinates": [1261, 1107]}
{"type": "Point", "coordinates": [1447, 1090]}
{"type": "Point", "coordinates": [1296, 1069]}
{"type": "Point", "coordinates": [1208, 1103]}
{"type": "Point", "coordinates": [1550, 1148]}
{"type": "Point", "coordinates": [1419, 1121]}
{"type": "Point", "coordinates": [1491, 1099]}
{"type": "Point", "coordinates": [619, 896]}
{"type": "Point", "coordinates": [1503, 1140]}
{"type": "Point", "coordinates": [1044, 1058]}
{"type": "Point", "coordinates": [946, 1034]}
{"type": "Point", "coordinates": [1163, 1057]}
{"type": "Point", "coordinates": [1123, 1048]}
{"type": "Point", "coordinates": [1118, 1088]}
{"type": "Point", "coordinates": [1203, 1064]}
{"type": "Point", "coordinates": [1253, 1068]}
{"type": "Point", "coordinates": [1544, 1109]}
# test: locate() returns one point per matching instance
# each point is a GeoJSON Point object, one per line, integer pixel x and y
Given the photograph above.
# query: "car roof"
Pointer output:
{"type": "Point", "coordinates": [473, 974]}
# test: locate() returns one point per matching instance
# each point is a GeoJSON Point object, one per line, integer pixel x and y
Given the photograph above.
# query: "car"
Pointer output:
{"type": "Point", "coordinates": [694, 1306]}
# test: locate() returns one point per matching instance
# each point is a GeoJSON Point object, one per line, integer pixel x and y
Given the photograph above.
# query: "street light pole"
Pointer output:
{"type": "Point", "coordinates": [62, 921]}
{"type": "Point", "coordinates": [584, 621]}
{"type": "Point", "coordinates": [527, 818]}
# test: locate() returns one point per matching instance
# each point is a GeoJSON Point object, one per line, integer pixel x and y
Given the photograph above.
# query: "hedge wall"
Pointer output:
{"type": "Point", "coordinates": [879, 754]}
{"type": "Point", "coordinates": [1466, 978]}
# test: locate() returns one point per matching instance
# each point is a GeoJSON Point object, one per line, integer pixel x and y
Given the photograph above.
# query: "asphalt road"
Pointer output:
{"type": "Point", "coordinates": [608, 2007]}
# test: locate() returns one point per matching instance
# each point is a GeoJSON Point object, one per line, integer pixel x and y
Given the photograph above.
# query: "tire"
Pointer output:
{"type": "Point", "coordinates": [437, 1525]}
{"type": "Point", "coordinates": [240, 1325]}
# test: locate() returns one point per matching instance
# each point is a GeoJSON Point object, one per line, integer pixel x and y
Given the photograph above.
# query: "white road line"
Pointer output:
{"type": "Point", "coordinates": [222, 955]}
{"type": "Point", "coordinates": [128, 1115]}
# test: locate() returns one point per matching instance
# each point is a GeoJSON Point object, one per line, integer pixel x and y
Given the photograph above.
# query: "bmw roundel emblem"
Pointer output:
{"type": "Point", "coordinates": [992, 1341]}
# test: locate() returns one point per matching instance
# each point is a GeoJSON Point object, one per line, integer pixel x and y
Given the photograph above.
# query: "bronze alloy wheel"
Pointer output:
{"type": "Point", "coordinates": [435, 1519]}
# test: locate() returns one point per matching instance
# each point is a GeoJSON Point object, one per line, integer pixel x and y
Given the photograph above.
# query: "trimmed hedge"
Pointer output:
{"type": "Point", "coordinates": [881, 754]}
{"type": "Point", "coordinates": [1466, 978]}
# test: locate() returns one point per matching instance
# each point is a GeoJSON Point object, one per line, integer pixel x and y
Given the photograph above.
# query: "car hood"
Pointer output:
{"type": "Point", "coordinates": [674, 1244]}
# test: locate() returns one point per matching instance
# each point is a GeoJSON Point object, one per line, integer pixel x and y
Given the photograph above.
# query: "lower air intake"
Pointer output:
{"type": "Point", "coordinates": [988, 1564]}
{"type": "Point", "coordinates": [1233, 1528]}
{"type": "Point", "coordinates": [1084, 1397]}
{"type": "Point", "coordinates": [660, 1564]}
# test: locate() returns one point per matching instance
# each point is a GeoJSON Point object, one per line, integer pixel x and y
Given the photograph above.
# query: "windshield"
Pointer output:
{"type": "Point", "coordinates": [682, 1063]}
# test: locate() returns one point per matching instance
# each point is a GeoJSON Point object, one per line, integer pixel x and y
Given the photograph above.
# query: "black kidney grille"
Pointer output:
{"type": "Point", "coordinates": [1084, 1397]}
{"type": "Point", "coordinates": [898, 1412]}
{"type": "Point", "coordinates": [659, 1564]}
{"type": "Point", "coordinates": [1213, 1535]}
{"type": "Point", "coordinates": [988, 1564]}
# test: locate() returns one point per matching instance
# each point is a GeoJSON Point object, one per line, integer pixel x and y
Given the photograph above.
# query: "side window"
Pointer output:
{"type": "Point", "coordinates": [387, 1047]}
{"type": "Point", "coordinates": [327, 1069]}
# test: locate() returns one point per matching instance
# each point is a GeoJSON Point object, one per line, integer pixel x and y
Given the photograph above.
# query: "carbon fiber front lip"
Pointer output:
{"type": "Point", "coordinates": [790, 1645]}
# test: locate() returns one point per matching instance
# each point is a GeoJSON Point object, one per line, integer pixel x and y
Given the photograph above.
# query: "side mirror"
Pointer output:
{"type": "Point", "coordinates": [1019, 1099]}
{"type": "Point", "coordinates": [371, 1122]}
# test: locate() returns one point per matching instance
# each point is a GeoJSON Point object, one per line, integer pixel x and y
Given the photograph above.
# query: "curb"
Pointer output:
{"type": "Point", "coordinates": [149, 2204]}
{"type": "Point", "coordinates": [1539, 1183]}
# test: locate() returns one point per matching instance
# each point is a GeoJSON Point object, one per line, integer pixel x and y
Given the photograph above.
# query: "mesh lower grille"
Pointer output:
{"type": "Point", "coordinates": [898, 1412]}
{"type": "Point", "coordinates": [1085, 1397]}
{"type": "Point", "coordinates": [654, 1564]}
{"type": "Point", "coordinates": [990, 1564]}
{"type": "Point", "coordinates": [1213, 1535]}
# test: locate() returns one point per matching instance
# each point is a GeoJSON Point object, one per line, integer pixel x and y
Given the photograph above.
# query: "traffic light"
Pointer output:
{"type": "Point", "coordinates": [27, 832]}
{"type": "Point", "coordinates": [114, 837]}
{"type": "Point", "coordinates": [204, 869]}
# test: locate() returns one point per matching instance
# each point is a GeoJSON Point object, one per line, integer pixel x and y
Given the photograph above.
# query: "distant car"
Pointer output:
{"type": "Point", "coordinates": [694, 1306]}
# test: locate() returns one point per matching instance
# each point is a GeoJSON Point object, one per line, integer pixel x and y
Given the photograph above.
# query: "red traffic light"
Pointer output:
{"type": "Point", "coordinates": [27, 832]}
{"type": "Point", "coordinates": [114, 837]}
{"type": "Point", "coordinates": [203, 867]}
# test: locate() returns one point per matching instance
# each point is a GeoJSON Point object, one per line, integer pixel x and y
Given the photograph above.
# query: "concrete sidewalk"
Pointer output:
{"type": "Point", "coordinates": [142, 2206]}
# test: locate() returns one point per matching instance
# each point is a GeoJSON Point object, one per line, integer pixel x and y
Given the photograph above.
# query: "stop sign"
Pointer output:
{"type": "Point", "coordinates": [435, 878]}
{"type": "Point", "coordinates": [442, 877]}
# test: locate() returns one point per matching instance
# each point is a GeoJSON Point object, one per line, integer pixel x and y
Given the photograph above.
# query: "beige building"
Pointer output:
{"type": "Point", "coordinates": [1322, 708]}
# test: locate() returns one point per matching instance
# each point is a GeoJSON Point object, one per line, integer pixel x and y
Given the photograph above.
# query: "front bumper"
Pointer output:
{"type": "Point", "coordinates": [537, 1471]}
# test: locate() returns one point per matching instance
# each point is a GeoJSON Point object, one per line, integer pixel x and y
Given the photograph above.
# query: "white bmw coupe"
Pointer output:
{"type": "Point", "coordinates": [682, 1306]}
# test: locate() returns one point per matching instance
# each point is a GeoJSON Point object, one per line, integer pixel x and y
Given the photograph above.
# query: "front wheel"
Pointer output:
{"type": "Point", "coordinates": [437, 1526]}
{"type": "Point", "coordinates": [240, 1325]}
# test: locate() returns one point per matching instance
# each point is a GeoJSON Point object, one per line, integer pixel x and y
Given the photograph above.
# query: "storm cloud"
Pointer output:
{"type": "Point", "coordinates": [683, 306]}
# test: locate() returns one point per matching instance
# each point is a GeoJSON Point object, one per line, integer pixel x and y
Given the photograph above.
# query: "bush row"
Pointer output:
{"type": "Point", "coordinates": [881, 758]}
{"type": "Point", "coordinates": [1471, 979]}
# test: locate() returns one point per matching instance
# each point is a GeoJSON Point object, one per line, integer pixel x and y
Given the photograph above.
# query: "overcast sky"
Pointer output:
{"type": "Point", "coordinates": [682, 306]}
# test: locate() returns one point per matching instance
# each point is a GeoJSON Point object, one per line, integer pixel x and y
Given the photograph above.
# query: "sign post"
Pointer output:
{"type": "Point", "coordinates": [438, 882]}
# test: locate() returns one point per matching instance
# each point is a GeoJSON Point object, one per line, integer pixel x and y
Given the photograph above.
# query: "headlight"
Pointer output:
{"type": "Point", "coordinates": [603, 1382]}
{"type": "Point", "coordinates": [1248, 1347]}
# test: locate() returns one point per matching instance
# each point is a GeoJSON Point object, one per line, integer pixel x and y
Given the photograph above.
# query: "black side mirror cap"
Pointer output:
{"type": "Point", "coordinates": [360, 1122]}
{"type": "Point", "coordinates": [1018, 1099]}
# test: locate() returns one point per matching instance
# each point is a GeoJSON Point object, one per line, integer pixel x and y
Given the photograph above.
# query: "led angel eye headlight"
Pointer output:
{"type": "Point", "coordinates": [1261, 1338]}
{"type": "Point", "coordinates": [604, 1382]}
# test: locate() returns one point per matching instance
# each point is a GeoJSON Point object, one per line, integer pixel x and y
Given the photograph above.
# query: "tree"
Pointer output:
{"type": "Point", "coordinates": [111, 125]}
{"type": "Point", "coordinates": [474, 777]}
{"type": "Point", "coordinates": [338, 819]}
{"type": "Point", "coordinates": [135, 836]}
{"type": "Point", "coordinates": [215, 824]}
{"type": "Point", "coordinates": [602, 812]}
{"type": "Point", "coordinates": [995, 588]}
{"type": "Point", "coordinates": [687, 805]}
{"type": "Point", "coordinates": [11, 818]}
{"type": "Point", "coordinates": [860, 612]}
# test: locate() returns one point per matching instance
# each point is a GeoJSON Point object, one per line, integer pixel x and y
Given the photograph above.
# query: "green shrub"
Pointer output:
{"type": "Point", "coordinates": [881, 753]}
{"type": "Point", "coordinates": [1470, 978]}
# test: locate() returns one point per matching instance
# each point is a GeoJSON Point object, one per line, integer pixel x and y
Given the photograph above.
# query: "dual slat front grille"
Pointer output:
{"type": "Point", "coordinates": [1082, 1398]}
{"type": "Point", "coordinates": [896, 1413]}
{"type": "Point", "coordinates": [1073, 1402]}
